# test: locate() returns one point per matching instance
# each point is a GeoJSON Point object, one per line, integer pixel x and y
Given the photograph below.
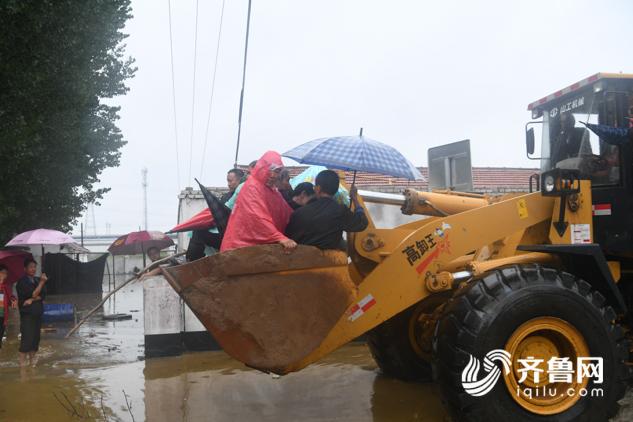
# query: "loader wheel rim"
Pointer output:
{"type": "Point", "coordinates": [543, 338]}
{"type": "Point", "coordinates": [415, 333]}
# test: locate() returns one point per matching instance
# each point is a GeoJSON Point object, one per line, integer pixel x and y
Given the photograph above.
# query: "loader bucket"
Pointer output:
{"type": "Point", "coordinates": [266, 308]}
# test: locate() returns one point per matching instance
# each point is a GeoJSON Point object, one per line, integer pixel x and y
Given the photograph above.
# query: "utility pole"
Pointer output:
{"type": "Point", "coordinates": [144, 184]}
{"type": "Point", "coordinates": [94, 220]}
{"type": "Point", "coordinates": [90, 222]}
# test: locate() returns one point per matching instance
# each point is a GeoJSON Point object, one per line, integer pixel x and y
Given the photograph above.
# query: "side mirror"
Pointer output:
{"type": "Point", "coordinates": [529, 141]}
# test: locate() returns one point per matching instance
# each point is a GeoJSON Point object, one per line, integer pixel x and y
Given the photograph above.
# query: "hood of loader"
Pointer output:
{"type": "Point", "coordinates": [266, 308]}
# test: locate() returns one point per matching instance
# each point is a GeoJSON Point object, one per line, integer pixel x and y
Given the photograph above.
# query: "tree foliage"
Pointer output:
{"type": "Point", "coordinates": [59, 60]}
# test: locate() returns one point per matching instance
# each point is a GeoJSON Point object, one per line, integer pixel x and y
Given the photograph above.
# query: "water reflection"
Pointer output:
{"type": "Point", "coordinates": [94, 372]}
{"type": "Point", "coordinates": [345, 386]}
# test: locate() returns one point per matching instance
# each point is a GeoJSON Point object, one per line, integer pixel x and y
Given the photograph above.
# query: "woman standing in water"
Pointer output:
{"type": "Point", "coordinates": [31, 293]}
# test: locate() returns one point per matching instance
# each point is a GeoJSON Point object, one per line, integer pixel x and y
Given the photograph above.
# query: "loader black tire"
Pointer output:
{"type": "Point", "coordinates": [482, 316]}
{"type": "Point", "coordinates": [391, 344]}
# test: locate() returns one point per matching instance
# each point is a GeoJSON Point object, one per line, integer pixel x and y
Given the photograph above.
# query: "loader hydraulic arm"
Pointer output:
{"type": "Point", "coordinates": [436, 203]}
{"type": "Point", "coordinates": [398, 280]}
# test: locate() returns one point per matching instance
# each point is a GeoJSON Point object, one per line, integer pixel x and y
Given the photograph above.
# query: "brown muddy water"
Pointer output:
{"type": "Point", "coordinates": [99, 374]}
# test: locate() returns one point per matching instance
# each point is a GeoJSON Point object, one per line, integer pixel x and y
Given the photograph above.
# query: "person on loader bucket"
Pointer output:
{"type": "Point", "coordinates": [200, 239]}
{"type": "Point", "coordinates": [303, 194]}
{"type": "Point", "coordinates": [321, 223]}
{"type": "Point", "coordinates": [261, 214]}
{"type": "Point", "coordinates": [285, 188]}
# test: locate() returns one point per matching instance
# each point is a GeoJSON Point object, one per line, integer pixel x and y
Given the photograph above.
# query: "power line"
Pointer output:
{"type": "Point", "coordinates": [173, 94]}
{"type": "Point", "coordinates": [215, 67]}
{"type": "Point", "coordinates": [239, 118]}
{"type": "Point", "coordinates": [144, 185]}
{"type": "Point", "coordinates": [193, 89]}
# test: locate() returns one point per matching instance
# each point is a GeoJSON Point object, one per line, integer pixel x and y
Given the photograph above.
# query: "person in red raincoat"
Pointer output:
{"type": "Point", "coordinates": [6, 299]}
{"type": "Point", "coordinates": [261, 214]}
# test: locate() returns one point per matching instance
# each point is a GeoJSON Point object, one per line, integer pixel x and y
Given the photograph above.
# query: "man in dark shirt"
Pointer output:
{"type": "Point", "coordinates": [321, 222]}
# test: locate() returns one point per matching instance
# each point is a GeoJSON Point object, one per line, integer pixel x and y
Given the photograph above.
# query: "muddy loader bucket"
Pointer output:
{"type": "Point", "coordinates": [266, 308]}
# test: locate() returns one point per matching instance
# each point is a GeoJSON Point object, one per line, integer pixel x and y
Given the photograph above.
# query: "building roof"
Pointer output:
{"type": "Point", "coordinates": [493, 180]}
{"type": "Point", "coordinates": [485, 179]}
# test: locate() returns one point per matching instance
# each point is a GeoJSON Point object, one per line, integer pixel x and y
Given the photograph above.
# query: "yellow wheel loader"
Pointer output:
{"type": "Point", "coordinates": [517, 305]}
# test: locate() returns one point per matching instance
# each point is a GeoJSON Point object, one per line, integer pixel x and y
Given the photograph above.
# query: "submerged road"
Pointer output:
{"type": "Point", "coordinates": [97, 375]}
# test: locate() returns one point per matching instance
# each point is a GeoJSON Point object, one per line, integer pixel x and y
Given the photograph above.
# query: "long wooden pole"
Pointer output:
{"type": "Point", "coordinates": [151, 266]}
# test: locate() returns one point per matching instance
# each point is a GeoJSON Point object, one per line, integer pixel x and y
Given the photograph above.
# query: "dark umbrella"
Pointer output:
{"type": "Point", "coordinates": [136, 243]}
{"type": "Point", "coordinates": [14, 261]}
{"type": "Point", "coordinates": [219, 211]}
{"type": "Point", "coordinates": [611, 135]}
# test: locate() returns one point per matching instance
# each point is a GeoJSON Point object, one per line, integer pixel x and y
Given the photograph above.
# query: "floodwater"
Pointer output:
{"type": "Point", "coordinates": [99, 374]}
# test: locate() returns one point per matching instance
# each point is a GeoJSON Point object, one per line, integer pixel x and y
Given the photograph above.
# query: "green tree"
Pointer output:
{"type": "Point", "coordinates": [59, 60]}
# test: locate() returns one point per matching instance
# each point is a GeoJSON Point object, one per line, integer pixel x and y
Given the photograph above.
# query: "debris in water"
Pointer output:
{"type": "Point", "coordinates": [117, 317]}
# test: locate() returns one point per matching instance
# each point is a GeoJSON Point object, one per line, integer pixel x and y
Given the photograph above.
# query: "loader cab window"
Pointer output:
{"type": "Point", "coordinates": [568, 144]}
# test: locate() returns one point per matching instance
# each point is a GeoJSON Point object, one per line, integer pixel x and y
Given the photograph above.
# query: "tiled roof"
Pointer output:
{"type": "Point", "coordinates": [485, 179]}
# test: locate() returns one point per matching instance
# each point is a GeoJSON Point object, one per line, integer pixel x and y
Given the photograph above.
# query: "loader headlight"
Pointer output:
{"type": "Point", "coordinates": [548, 183]}
{"type": "Point", "coordinates": [560, 182]}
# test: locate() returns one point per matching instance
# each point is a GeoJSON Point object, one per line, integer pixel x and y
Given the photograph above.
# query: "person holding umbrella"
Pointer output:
{"type": "Point", "coordinates": [321, 222]}
{"type": "Point", "coordinates": [140, 242]}
{"type": "Point", "coordinates": [31, 294]}
{"type": "Point", "coordinates": [6, 299]}
{"type": "Point", "coordinates": [153, 254]}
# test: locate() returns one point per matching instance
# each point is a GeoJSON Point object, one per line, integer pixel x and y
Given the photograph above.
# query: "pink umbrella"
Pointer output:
{"type": "Point", "coordinates": [43, 237]}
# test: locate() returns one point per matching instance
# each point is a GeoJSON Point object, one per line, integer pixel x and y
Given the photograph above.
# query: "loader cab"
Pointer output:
{"type": "Point", "coordinates": [566, 143]}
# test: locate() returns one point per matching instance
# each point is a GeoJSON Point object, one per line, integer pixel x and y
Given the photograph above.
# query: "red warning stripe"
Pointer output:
{"type": "Point", "coordinates": [361, 307]}
{"type": "Point", "coordinates": [601, 209]}
{"type": "Point", "coordinates": [368, 305]}
{"type": "Point", "coordinates": [428, 260]}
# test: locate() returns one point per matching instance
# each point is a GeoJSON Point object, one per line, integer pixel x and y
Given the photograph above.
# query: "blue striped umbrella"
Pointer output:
{"type": "Point", "coordinates": [355, 153]}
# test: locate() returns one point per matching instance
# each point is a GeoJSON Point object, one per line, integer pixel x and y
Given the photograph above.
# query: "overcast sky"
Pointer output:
{"type": "Point", "coordinates": [414, 74]}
